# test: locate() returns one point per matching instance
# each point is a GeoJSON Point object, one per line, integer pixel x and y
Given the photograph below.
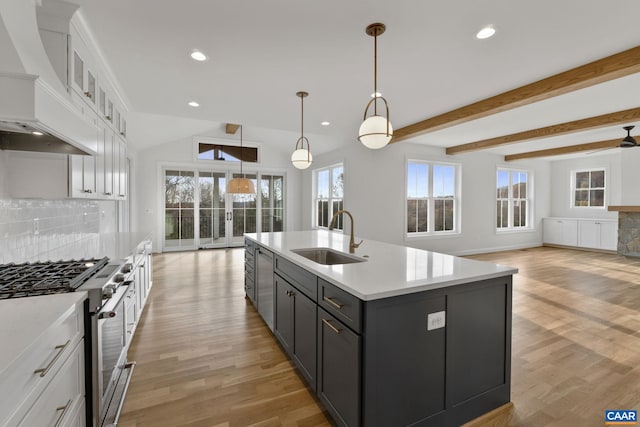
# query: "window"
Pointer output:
{"type": "Point", "coordinates": [329, 194]}
{"type": "Point", "coordinates": [589, 188]}
{"type": "Point", "coordinates": [513, 199]}
{"type": "Point", "coordinates": [227, 152]}
{"type": "Point", "coordinates": [432, 192]}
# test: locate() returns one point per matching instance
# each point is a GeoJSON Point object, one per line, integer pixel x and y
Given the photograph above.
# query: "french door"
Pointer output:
{"type": "Point", "coordinates": [199, 213]}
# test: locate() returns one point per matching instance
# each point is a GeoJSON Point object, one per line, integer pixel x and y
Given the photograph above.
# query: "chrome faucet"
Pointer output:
{"type": "Point", "coordinates": [352, 244]}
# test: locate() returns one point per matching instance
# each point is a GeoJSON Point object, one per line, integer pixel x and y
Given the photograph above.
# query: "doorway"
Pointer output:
{"type": "Point", "coordinates": [199, 213]}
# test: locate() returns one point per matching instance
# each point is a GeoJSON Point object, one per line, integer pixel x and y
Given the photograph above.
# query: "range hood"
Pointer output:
{"type": "Point", "coordinates": [33, 99]}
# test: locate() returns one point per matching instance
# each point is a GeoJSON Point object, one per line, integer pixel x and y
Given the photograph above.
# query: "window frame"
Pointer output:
{"type": "Point", "coordinates": [330, 199]}
{"type": "Point", "coordinates": [572, 194]}
{"type": "Point", "coordinates": [457, 204]}
{"type": "Point", "coordinates": [197, 140]}
{"type": "Point", "coordinates": [530, 200]}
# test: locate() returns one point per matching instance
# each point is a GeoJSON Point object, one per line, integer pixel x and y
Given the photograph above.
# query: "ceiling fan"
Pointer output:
{"type": "Point", "coordinates": [627, 141]}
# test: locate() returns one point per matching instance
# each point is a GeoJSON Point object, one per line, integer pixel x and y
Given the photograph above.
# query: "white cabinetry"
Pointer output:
{"type": "Point", "coordinates": [82, 170]}
{"type": "Point", "coordinates": [42, 368]}
{"type": "Point", "coordinates": [560, 231]}
{"type": "Point", "coordinates": [583, 233]}
{"type": "Point", "coordinates": [598, 234]}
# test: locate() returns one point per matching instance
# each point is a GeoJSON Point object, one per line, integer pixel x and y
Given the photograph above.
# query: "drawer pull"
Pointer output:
{"type": "Point", "coordinates": [333, 328]}
{"type": "Point", "coordinates": [333, 303]}
{"type": "Point", "coordinates": [45, 370]}
{"type": "Point", "coordinates": [64, 411]}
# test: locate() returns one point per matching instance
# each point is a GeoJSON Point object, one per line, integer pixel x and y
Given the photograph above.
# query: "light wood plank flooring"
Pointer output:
{"type": "Point", "coordinates": [205, 358]}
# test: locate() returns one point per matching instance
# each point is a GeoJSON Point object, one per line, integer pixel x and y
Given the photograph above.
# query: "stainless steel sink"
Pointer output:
{"type": "Point", "coordinates": [326, 256]}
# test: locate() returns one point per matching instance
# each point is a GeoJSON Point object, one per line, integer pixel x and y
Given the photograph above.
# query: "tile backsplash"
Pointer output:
{"type": "Point", "coordinates": [36, 230]}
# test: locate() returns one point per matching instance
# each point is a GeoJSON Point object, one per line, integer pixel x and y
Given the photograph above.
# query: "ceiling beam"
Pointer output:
{"type": "Point", "coordinates": [617, 118]}
{"type": "Point", "coordinates": [612, 67]}
{"type": "Point", "coordinates": [611, 143]}
{"type": "Point", "coordinates": [231, 128]}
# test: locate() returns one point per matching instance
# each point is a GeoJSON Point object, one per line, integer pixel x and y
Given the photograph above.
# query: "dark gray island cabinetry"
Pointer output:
{"type": "Point", "coordinates": [404, 337]}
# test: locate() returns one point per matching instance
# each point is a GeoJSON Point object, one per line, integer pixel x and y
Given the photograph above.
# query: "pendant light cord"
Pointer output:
{"type": "Point", "coordinates": [241, 150]}
{"type": "Point", "coordinates": [375, 74]}
{"type": "Point", "coordinates": [302, 117]}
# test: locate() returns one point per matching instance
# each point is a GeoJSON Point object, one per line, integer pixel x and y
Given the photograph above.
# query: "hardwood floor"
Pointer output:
{"type": "Point", "coordinates": [205, 358]}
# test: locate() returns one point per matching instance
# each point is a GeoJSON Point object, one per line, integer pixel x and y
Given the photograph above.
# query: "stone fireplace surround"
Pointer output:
{"type": "Point", "coordinates": [628, 230]}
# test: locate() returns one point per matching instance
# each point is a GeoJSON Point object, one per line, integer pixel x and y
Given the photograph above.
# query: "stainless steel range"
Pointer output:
{"type": "Point", "coordinates": [106, 284]}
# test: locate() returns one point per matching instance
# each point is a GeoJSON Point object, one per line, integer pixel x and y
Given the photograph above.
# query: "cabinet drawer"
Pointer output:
{"type": "Point", "coordinates": [59, 402]}
{"type": "Point", "coordinates": [346, 307]}
{"type": "Point", "coordinates": [26, 377]}
{"type": "Point", "coordinates": [305, 281]}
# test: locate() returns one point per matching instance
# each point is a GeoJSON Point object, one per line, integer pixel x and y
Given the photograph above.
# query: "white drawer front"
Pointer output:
{"type": "Point", "coordinates": [58, 404]}
{"type": "Point", "coordinates": [30, 375]}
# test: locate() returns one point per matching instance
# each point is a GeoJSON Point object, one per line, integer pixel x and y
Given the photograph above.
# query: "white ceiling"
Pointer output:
{"type": "Point", "coordinates": [429, 62]}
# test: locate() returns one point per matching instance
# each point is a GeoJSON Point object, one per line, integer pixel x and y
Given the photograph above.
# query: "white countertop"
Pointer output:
{"type": "Point", "coordinates": [390, 270]}
{"type": "Point", "coordinates": [24, 320]}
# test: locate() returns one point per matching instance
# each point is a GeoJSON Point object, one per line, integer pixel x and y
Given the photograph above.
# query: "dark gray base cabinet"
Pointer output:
{"type": "Point", "coordinates": [295, 327]}
{"type": "Point", "coordinates": [249, 271]}
{"type": "Point", "coordinates": [377, 364]}
{"type": "Point", "coordinates": [339, 356]}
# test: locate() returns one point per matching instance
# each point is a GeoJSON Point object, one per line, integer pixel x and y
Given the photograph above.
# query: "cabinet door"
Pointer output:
{"type": "Point", "coordinates": [100, 163]}
{"type": "Point", "coordinates": [552, 231]}
{"type": "Point", "coordinates": [339, 369]}
{"type": "Point", "coordinates": [283, 313]}
{"type": "Point", "coordinates": [569, 232]}
{"type": "Point", "coordinates": [122, 170]}
{"type": "Point", "coordinates": [83, 176]}
{"type": "Point", "coordinates": [589, 234]}
{"type": "Point", "coordinates": [609, 235]}
{"type": "Point", "coordinates": [108, 161]}
{"type": "Point", "coordinates": [305, 336]}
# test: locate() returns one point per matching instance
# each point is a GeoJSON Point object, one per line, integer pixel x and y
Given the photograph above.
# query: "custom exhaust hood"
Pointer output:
{"type": "Point", "coordinates": [36, 111]}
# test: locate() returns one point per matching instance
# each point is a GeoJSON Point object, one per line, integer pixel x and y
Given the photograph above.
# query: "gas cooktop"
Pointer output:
{"type": "Point", "coordinates": [45, 278]}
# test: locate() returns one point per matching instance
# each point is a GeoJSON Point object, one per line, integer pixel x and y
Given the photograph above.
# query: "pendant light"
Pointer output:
{"type": "Point", "coordinates": [241, 185]}
{"type": "Point", "coordinates": [301, 157]}
{"type": "Point", "coordinates": [376, 131]}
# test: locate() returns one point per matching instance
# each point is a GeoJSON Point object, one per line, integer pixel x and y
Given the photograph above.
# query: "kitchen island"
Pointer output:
{"type": "Point", "coordinates": [394, 336]}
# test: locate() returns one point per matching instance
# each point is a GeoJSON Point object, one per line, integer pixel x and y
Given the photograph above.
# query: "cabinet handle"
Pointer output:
{"type": "Point", "coordinates": [64, 411]}
{"type": "Point", "coordinates": [107, 194]}
{"type": "Point", "coordinates": [333, 303]}
{"type": "Point", "coordinates": [88, 95]}
{"type": "Point", "coordinates": [333, 328]}
{"type": "Point", "coordinates": [121, 195]}
{"type": "Point", "coordinates": [45, 370]}
{"type": "Point", "coordinates": [88, 191]}
{"type": "Point", "coordinates": [290, 293]}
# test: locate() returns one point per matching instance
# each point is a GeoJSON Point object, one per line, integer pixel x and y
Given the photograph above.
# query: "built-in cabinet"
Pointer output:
{"type": "Point", "coordinates": [585, 233]}
{"type": "Point", "coordinates": [384, 362]}
{"type": "Point", "coordinates": [44, 385]}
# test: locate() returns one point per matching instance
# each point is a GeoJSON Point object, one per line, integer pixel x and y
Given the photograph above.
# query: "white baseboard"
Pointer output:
{"type": "Point", "coordinates": [496, 249]}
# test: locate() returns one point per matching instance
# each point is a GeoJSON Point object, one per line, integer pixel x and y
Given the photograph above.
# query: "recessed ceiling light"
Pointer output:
{"type": "Point", "coordinates": [35, 132]}
{"type": "Point", "coordinates": [193, 104]}
{"type": "Point", "coordinates": [325, 123]}
{"type": "Point", "coordinates": [486, 32]}
{"type": "Point", "coordinates": [376, 95]}
{"type": "Point", "coordinates": [198, 56]}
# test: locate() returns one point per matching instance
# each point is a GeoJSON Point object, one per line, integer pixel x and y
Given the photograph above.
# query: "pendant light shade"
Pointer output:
{"type": "Point", "coordinates": [375, 131]}
{"type": "Point", "coordinates": [241, 185]}
{"type": "Point", "coordinates": [301, 157]}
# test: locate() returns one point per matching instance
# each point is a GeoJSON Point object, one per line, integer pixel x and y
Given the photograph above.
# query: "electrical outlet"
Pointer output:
{"type": "Point", "coordinates": [436, 320]}
{"type": "Point", "coordinates": [36, 226]}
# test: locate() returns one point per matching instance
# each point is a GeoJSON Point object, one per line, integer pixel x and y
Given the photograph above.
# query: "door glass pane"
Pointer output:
{"type": "Point", "coordinates": [244, 211]}
{"type": "Point", "coordinates": [212, 189]}
{"type": "Point", "coordinates": [78, 70]}
{"type": "Point", "coordinates": [91, 87]}
{"type": "Point", "coordinates": [179, 213]}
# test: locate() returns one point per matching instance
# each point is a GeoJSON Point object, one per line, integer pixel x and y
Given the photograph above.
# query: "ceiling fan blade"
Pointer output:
{"type": "Point", "coordinates": [596, 151]}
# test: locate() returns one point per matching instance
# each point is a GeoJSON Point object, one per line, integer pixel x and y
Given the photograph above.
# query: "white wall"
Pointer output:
{"type": "Point", "coordinates": [148, 187]}
{"type": "Point", "coordinates": [561, 193]}
{"type": "Point", "coordinates": [375, 195]}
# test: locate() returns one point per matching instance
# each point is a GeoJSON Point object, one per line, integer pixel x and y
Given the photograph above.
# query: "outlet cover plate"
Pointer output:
{"type": "Point", "coordinates": [436, 320]}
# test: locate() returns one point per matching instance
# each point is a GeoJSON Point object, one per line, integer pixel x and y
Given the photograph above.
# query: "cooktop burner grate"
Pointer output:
{"type": "Point", "coordinates": [44, 278]}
